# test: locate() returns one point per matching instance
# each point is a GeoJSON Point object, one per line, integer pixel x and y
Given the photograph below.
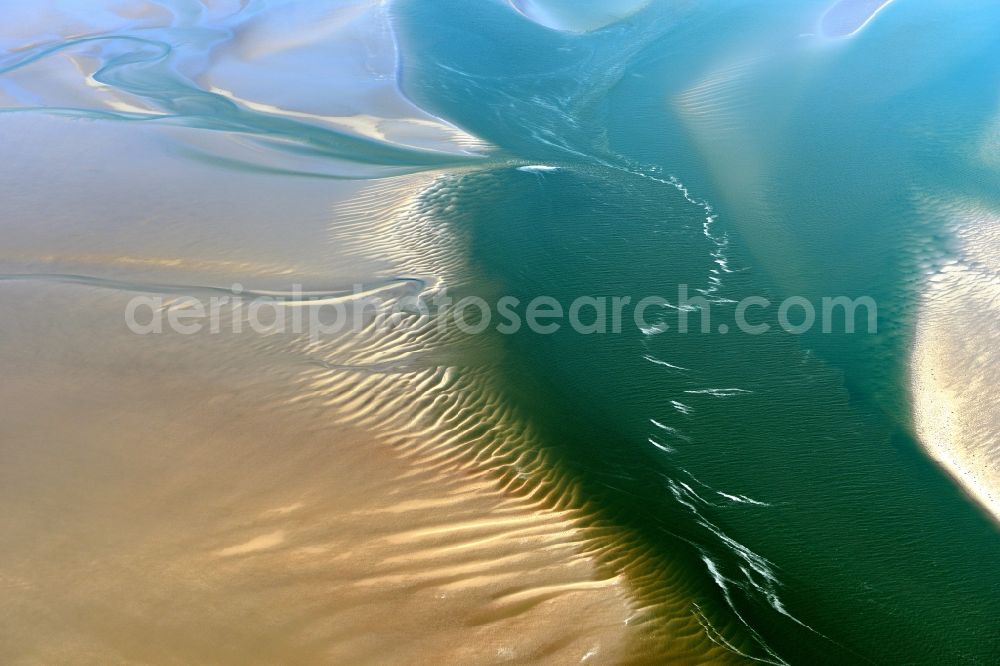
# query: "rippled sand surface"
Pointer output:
{"type": "Point", "coordinates": [235, 499]}
{"type": "Point", "coordinates": [209, 515]}
{"type": "Point", "coordinates": [955, 368]}
{"type": "Point", "coordinates": [249, 499]}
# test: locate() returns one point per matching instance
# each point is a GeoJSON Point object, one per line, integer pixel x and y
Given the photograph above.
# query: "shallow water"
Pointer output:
{"type": "Point", "coordinates": [700, 496]}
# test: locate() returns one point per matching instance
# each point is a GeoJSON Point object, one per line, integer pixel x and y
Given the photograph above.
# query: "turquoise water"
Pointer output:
{"type": "Point", "coordinates": [720, 145]}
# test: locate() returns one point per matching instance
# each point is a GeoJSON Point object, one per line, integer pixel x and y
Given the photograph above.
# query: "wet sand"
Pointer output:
{"type": "Point", "coordinates": [251, 498]}
{"type": "Point", "coordinates": [577, 16]}
{"type": "Point", "coordinates": [173, 501]}
{"type": "Point", "coordinates": [955, 367]}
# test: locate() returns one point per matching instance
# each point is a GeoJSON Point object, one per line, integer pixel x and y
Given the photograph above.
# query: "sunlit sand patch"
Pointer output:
{"type": "Point", "coordinates": [299, 46]}
{"type": "Point", "coordinates": [283, 510]}
{"type": "Point", "coordinates": [263, 542]}
{"type": "Point", "coordinates": [245, 499]}
{"type": "Point", "coordinates": [954, 365]}
{"type": "Point", "coordinates": [213, 515]}
{"type": "Point", "coordinates": [579, 15]}
{"type": "Point", "coordinates": [416, 132]}
{"type": "Point", "coordinates": [716, 102]}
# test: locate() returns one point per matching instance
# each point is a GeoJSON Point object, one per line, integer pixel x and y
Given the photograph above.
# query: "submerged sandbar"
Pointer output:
{"type": "Point", "coordinates": [848, 17]}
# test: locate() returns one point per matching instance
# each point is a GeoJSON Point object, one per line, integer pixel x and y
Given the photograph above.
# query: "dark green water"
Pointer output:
{"type": "Point", "coordinates": [854, 547]}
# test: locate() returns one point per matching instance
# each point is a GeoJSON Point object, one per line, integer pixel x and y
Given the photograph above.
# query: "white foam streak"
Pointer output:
{"type": "Point", "coordinates": [719, 392]}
